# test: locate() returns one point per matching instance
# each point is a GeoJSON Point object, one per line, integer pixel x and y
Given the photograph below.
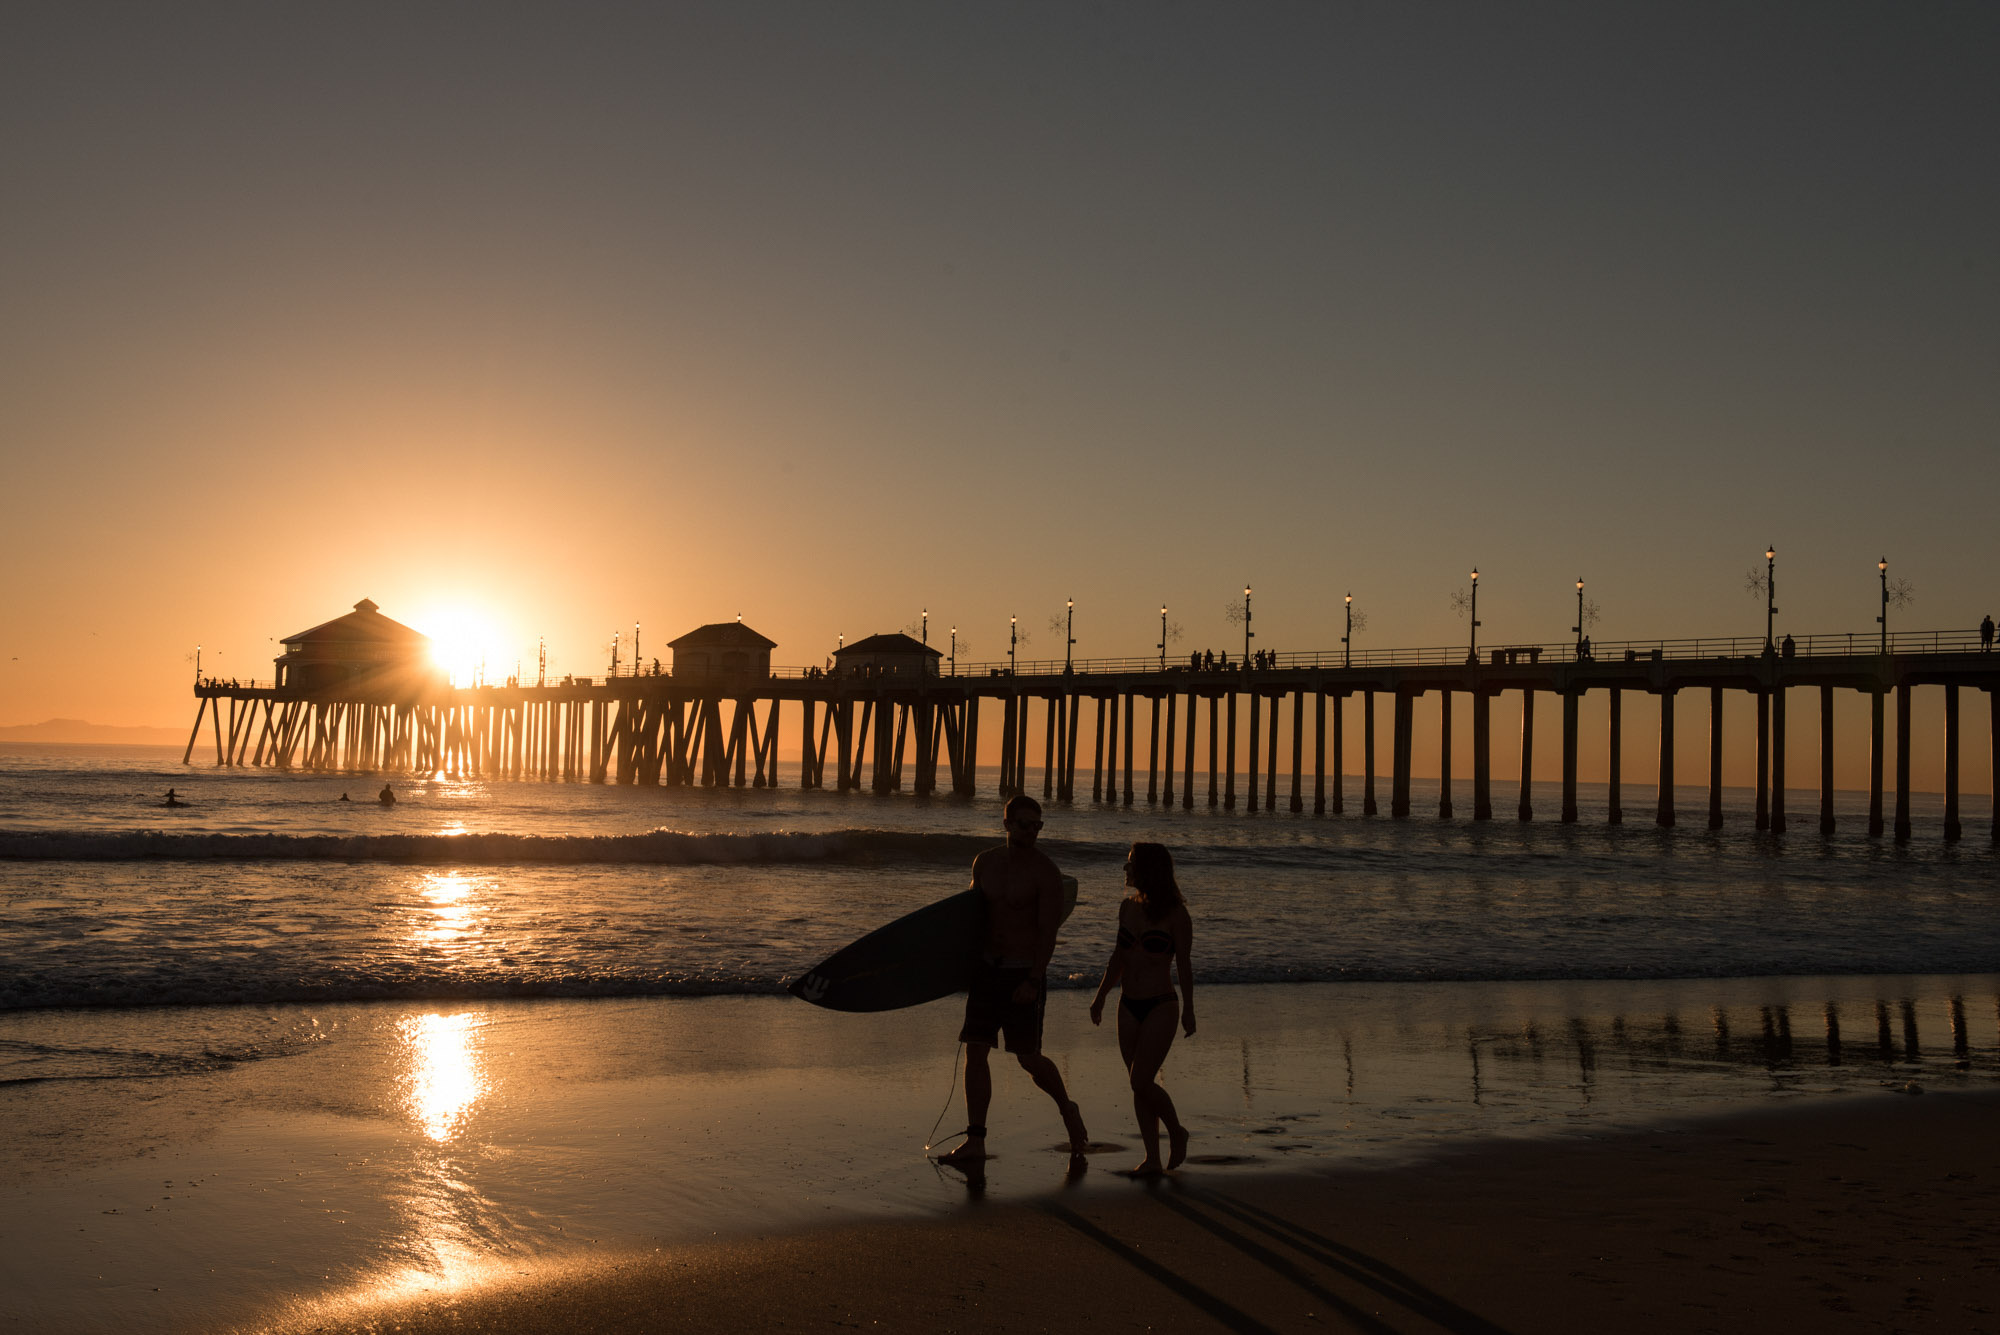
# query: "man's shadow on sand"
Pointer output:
{"type": "Point", "coordinates": [1208, 1210]}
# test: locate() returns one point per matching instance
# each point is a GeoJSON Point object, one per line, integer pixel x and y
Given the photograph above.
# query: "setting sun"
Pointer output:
{"type": "Point", "coordinates": [464, 640]}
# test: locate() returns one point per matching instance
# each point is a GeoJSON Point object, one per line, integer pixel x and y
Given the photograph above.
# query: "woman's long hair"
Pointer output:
{"type": "Point", "coordinates": [1153, 878]}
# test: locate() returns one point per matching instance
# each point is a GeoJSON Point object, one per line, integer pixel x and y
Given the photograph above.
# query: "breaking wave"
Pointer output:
{"type": "Point", "coordinates": [657, 847]}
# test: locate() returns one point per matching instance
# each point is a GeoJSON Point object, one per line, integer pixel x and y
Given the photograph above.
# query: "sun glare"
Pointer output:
{"type": "Point", "coordinates": [463, 640]}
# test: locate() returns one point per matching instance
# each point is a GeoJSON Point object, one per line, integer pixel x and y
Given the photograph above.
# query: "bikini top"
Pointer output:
{"type": "Point", "coordinates": [1153, 941]}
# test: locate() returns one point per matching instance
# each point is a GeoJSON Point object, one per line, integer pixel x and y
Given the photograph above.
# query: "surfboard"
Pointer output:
{"type": "Point", "coordinates": [917, 958]}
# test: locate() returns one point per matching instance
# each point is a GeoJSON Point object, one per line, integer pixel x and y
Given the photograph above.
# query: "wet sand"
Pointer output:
{"type": "Point", "coordinates": [1872, 1213]}
{"type": "Point", "coordinates": [176, 1169]}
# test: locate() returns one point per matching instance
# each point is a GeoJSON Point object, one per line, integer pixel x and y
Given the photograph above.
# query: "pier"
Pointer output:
{"type": "Point", "coordinates": [917, 730]}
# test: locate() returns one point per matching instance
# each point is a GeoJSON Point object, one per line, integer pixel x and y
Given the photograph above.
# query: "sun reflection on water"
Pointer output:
{"type": "Point", "coordinates": [446, 895]}
{"type": "Point", "coordinates": [445, 1076]}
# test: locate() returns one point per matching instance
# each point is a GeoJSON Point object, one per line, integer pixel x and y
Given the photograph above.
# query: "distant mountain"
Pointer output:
{"type": "Point", "coordinates": [76, 730]}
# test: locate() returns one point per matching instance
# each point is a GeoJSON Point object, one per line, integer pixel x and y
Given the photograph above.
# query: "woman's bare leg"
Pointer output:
{"type": "Point", "coordinates": [1150, 1044]}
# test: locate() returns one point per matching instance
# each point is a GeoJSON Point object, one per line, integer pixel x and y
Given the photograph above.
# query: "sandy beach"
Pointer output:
{"type": "Point", "coordinates": [1539, 1155]}
{"type": "Point", "coordinates": [1875, 1213]}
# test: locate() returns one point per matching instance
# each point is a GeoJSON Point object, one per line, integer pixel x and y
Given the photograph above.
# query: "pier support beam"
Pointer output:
{"type": "Point", "coordinates": [971, 746]}
{"type": "Point", "coordinates": [1110, 705]}
{"type": "Point", "coordinates": [1097, 760]}
{"type": "Point", "coordinates": [1903, 763]}
{"type": "Point", "coordinates": [1167, 756]}
{"type": "Point", "coordinates": [1569, 758]}
{"type": "Point", "coordinates": [1009, 724]}
{"type": "Point", "coordinates": [1187, 773]}
{"type": "Point", "coordinates": [1153, 758]}
{"type": "Point", "coordinates": [1875, 764]}
{"type": "Point", "coordinates": [1778, 759]}
{"type": "Point", "coordinates": [1368, 753]}
{"type": "Point", "coordinates": [1826, 760]}
{"type": "Point", "coordinates": [1053, 707]}
{"type": "Point", "coordinates": [1482, 754]}
{"type": "Point", "coordinates": [1339, 755]}
{"type": "Point", "coordinates": [1021, 747]}
{"type": "Point", "coordinates": [1319, 752]}
{"type": "Point", "coordinates": [1298, 747]}
{"type": "Point", "coordinates": [1444, 754]}
{"type": "Point", "coordinates": [1256, 737]}
{"type": "Point", "coordinates": [1664, 813]}
{"type": "Point", "coordinates": [1615, 812]}
{"type": "Point", "coordinates": [1271, 756]}
{"type": "Point", "coordinates": [1951, 826]}
{"type": "Point", "coordinates": [1527, 811]}
{"type": "Point", "coordinates": [1228, 761]}
{"type": "Point", "coordinates": [1763, 759]}
{"type": "Point", "coordinates": [1128, 748]}
{"type": "Point", "coordinates": [1213, 733]}
{"type": "Point", "coordinates": [1715, 757]}
{"type": "Point", "coordinates": [1399, 755]}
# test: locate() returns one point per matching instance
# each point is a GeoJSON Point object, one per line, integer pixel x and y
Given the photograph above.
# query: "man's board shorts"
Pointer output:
{"type": "Point", "coordinates": [991, 1011]}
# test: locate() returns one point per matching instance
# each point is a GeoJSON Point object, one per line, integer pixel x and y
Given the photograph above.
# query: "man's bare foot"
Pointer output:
{"type": "Point", "coordinates": [971, 1151]}
{"type": "Point", "coordinates": [1149, 1168]}
{"type": "Point", "coordinates": [1177, 1139]}
{"type": "Point", "coordinates": [1079, 1139]}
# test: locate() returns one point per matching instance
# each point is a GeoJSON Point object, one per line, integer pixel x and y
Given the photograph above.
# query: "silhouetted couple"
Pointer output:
{"type": "Point", "coordinates": [1008, 997]}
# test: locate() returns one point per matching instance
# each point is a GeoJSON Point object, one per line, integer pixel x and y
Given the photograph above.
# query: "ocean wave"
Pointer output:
{"type": "Point", "coordinates": [210, 990]}
{"type": "Point", "coordinates": [657, 847]}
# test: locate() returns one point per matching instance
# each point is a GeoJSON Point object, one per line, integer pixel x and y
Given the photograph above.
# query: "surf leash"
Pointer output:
{"type": "Point", "coordinates": [930, 1139]}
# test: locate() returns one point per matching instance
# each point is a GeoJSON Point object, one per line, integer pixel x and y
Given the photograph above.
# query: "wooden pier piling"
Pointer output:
{"type": "Point", "coordinates": [1400, 724]}
{"type": "Point", "coordinates": [1778, 760]}
{"type": "Point", "coordinates": [1527, 811]}
{"type": "Point", "coordinates": [1368, 753]}
{"type": "Point", "coordinates": [1664, 812]}
{"type": "Point", "coordinates": [1715, 757]}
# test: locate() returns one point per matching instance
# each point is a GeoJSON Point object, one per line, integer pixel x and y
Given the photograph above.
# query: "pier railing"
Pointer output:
{"type": "Point", "coordinates": [1841, 644]}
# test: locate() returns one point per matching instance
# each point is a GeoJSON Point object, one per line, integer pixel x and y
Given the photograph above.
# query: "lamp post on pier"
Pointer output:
{"type": "Point", "coordinates": [1069, 632]}
{"type": "Point", "coordinates": [954, 651]}
{"type": "Point", "coordinates": [1578, 627]}
{"type": "Point", "coordinates": [197, 665]}
{"type": "Point", "coordinates": [1163, 637]}
{"type": "Point", "coordinates": [1248, 635]}
{"type": "Point", "coordinates": [1347, 640]}
{"type": "Point", "coordinates": [635, 648]}
{"type": "Point", "coordinates": [1882, 568]}
{"type": "Point", "coordinates": [1013, 640]}
{"type": "Point", "coordinates": [1770, 597]}
{"type": "Point", "coordinates": [926, 629]}
{"type": "Point", "coordinates": [614, 653]}
{"type": "Point", "coordinates": [1475, 614]}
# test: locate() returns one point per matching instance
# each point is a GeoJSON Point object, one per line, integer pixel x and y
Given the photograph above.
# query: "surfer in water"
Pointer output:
{"type": "Point", "coordinates": [387, 797]}
{"type": "Point", "coordinates": [1009, 992]}
{"type": "Point", "coordinates": [1154, 933]}
{"type": "Point", "coordinates": [172, 800]}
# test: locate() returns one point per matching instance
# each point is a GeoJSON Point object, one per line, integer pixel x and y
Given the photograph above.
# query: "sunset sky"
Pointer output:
{"type": "Point", "coordinates": [558, 317]}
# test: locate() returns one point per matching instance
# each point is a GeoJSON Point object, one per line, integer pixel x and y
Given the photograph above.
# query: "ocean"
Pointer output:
{"type": "Point", "coordinates": [274, 1048]}
{"type": "Point", "coordinates": [268, 888]}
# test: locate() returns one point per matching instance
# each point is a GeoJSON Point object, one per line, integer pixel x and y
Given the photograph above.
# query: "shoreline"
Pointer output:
{"type": "Point", "coordinates": [1862, 1213]}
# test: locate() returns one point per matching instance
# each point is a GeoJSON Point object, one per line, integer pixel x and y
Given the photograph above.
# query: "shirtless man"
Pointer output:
{"type": "Point", "coordinates": [1009, 989]}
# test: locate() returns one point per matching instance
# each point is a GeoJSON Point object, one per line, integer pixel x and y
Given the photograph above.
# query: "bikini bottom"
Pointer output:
{"type": "Point", "coordinates": [1140, 1007]}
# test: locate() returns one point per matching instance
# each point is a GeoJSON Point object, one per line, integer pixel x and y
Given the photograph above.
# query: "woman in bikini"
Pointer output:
{"type": "Point", "coordinates": [1154, 932]}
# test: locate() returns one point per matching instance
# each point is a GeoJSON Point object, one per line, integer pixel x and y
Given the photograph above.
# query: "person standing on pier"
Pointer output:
{"type": "Point", "coordinates": [1986, 635]}
{"type": "Point", "coordinates": [1009, 993]}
